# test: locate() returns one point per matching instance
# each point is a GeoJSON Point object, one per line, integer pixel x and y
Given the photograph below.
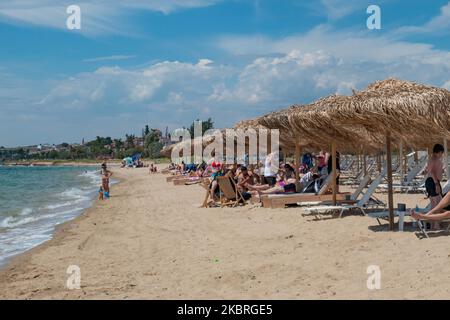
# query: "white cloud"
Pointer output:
{"type": "Point", "coordinates": [344, 45]}
{"type": "Point", "coordinates": [97, 16]}
{"type": "Point", "coordinates": [279, 72]}
{"type": "Point", "coordinates": [437, 25]}
{"type": "Point", "coordinates": [180, 91]}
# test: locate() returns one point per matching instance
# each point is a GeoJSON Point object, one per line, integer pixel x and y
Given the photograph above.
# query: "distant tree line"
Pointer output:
{"type": "Point", "coordinates": [149, 145]}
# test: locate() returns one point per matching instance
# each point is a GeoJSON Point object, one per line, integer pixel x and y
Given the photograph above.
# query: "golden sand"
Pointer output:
{"type": "Point", "coordinates": [152, 241]}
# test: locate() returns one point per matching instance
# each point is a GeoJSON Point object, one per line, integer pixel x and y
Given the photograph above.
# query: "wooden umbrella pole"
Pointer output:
{"type": "Point", "coordinates": [405, 162]}
{"type": "Point", "coordinates": [379, 163]}
{"type": "Point", "coordinates": [297, 166]}
{"type": "Point", "coordinates": [446, 167]}
{"type": "Point", "coordinates": [400, 157]}
{"type": "Point", "coordinates": [365, 165]}
{"type": "Point", "coordinates": [389, 178]}
{"type": "Point", "coordinates": [297, 162]}
{"type": "Point", "coordinates": [333, 170]}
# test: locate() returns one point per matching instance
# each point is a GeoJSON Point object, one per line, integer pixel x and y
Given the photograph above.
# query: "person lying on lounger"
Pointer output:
{"type": "Point", "coordinates": [286, 185]}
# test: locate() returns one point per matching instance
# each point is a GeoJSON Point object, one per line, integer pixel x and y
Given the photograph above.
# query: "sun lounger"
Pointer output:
{"type": "Point", "coordinates": [446, 187]}
{"type": "Point", "coordinates": [424, 231]}
{"type": "Point", "coordinates": [384, 215]}
{"type": "Point", "coordinates": [177, 176]}
{"type": "Point", "coordinates": [229, 193]}
{"type": "Point", "coordinates": [415, 170]}
{"type": "Point", "coordinates": [359, 190]}
{"type": "Point", "coordinates": [281, 200]}
{"type": "Point", "coordinates": [205, 185]}
{"type": "Point", "coordinates": [409, 185]}
{"type": "Point", "coordinates": [186, 180]}
{"type": "Point", "coordinates": [347, 166]}
{"type": "Point", "coordinates": [367, 199]}
{"type": "Point", "coordinates": [274, 201]}
{"type": "Point", "coordinates": [421, 223]}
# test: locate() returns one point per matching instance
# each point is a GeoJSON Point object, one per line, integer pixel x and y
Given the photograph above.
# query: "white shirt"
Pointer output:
{"type": "Point", "coordinates": [269, 171]}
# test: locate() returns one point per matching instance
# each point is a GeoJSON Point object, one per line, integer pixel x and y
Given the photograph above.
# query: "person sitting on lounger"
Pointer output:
{"type": "Point", "coordinates": [440, 212]}
{"type": "Point", "coordinates": [244, 179]}
{"type": "Point", "coordinates": [321, 161]}
{"type": "Point", "coordinates": [217, 171]}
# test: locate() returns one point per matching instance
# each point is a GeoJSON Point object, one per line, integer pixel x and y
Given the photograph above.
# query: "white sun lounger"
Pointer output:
{"type": "Point", "coordinates": [415, 170]}
{"type": "Point", "coordinates": [366, 200]}
{"type": "Point", "coordinates": [420, 223]}
{"type": "Point", "coordinates": [423, 229]}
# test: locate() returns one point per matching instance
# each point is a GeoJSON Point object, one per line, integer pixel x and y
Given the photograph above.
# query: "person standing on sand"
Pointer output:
{"type": "Point", "coordinates": [434, 176]}
{"type": "Point", "coordinates": [270, 170]}
{"type": "Point", "coordinates": [321, 161]}
{"type": "Point", "coordinates": [106, 174]}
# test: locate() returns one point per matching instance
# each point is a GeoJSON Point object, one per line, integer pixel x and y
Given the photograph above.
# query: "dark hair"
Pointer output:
{"type": "Point", "coordinates": [287, 166]}
{"type": "Point", "coordinates": [289, 174]}
{"type": "Point", "coordinates": [438, 148]}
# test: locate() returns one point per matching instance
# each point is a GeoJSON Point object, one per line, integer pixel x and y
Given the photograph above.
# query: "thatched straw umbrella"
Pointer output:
{"type": "Point", "coordinates": [311, 135]}
{"type": "Point", "coordinates": [413, 113]}
{"type": "Point", "coordinates": [227, 135]}
{"type": "Point", "coordinates": [189, 144]}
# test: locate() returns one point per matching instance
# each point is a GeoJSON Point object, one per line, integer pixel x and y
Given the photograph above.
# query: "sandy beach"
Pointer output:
{"type": "Point", "coordinates": [152, 241]}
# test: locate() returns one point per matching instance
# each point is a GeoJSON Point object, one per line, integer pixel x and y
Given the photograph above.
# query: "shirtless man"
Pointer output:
{"type": "Point", "coordinates": [244, 179]}
{"type": "Point", "coordinates": [433, 185]}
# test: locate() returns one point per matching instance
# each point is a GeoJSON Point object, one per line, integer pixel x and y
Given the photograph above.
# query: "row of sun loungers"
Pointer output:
{"type": "Point", "coordinates": [361, 200]}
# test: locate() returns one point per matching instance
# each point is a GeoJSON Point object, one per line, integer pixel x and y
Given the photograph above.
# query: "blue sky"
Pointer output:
{"type": "Point", "coordinates": [168, 62]}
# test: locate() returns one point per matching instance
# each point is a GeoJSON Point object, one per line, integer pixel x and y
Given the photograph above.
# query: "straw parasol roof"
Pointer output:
{"type": "Point", "coordinates": [410, 112]}
{"type": "Point", "coordinates": [413, 113]}
{"type": "Point", "coordinates": [286, 139]}
{"type": "Point", "coordinates": [204, 141]}
{"type": "Point", "coordinates": [310, 134]}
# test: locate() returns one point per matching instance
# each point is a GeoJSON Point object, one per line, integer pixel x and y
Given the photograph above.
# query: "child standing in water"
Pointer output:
{"type": "Point", "coordinates": [106, 174]}
{"type": "Point", "coordinates": [100, 193]}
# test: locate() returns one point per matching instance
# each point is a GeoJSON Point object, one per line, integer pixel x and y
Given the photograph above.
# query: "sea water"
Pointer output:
{"type": "Point", "coordinates": [34, 200]}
